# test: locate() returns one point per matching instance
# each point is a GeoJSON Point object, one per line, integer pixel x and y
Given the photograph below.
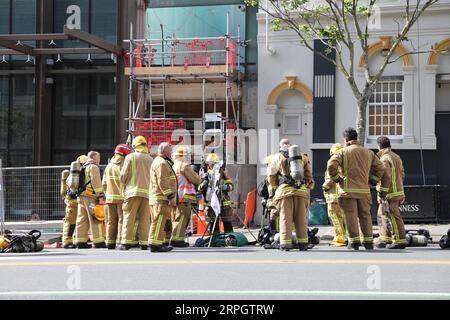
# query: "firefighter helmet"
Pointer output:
{"type": "Point", "coordinates": [82, 159]}
{"type": "Point", "coordinates": [98, 212]}
{"type": "Point", "coordinates": [212, 158]}
{"type": "Point", "coordinates": [123, 149]}
{"type": "Point", "coordinates": [181, 151]}
{"type": "Point", "coordinates": [335, 149]}
{"type": "Point", "coordinates": [139, 141]}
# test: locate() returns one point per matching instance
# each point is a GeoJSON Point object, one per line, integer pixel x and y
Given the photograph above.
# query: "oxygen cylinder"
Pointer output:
{"type": "Point", "coordinates": [416, 240]}
{"type": "Point", "coordinates": [64, 175]}
{"type": "Point", "coordinates": [74, 177]}
{"type": "Point", "coordinates": [296, 163]}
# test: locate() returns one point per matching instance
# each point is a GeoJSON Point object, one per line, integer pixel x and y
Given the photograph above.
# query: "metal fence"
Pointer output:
{"type": "Point", "coordinates": [32, 193]}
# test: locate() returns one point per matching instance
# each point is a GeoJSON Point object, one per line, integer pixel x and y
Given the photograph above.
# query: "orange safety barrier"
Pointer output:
{"type": "Point", "coordinates": [250, 207]}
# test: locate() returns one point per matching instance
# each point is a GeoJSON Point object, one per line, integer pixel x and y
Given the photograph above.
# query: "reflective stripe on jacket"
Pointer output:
{"type": "Point", "coordinates": [357, 165]}
{"type": "Point", "coordinates": [394, 175]}
{"type": "Point", "coordinates": [93, 180]}
{"type": "Point", "coordinates": [135, 174]}
{"type": "Point", "coordinates": [111, 180]}
{"type": "Point", "coordinates": [332, 194]}
{"type": "Point", "coordinates": [163, 182]}
{"type": "Point", "coordinates": [187, 179]}
{"type": "Point", "coordinates": [279, 168]}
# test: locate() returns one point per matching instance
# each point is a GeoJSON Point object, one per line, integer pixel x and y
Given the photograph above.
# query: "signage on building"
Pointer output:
{"type": "Point", "coordinates": [420, 204]}
{"type": "Point", "coordinates": [74, 20]}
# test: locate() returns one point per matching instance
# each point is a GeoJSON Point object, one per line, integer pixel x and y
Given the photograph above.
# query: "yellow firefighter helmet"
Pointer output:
{"type": "Point", "coordinates": [99, 212]}
{"type": "Point", "coordinates": [82, 159]}
{"type": "Point", "coordinates": [139, 141]}
{"type": "Point", "coordinates": [336, 148]}
{"type": "Point", "coordinates": [212, 158]}
{"type": "Point", "coordinates": [181, 151]}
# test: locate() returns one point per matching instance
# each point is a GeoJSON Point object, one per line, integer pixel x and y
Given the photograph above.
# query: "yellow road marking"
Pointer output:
{"type": "Point", "coordinates": [222, 262]}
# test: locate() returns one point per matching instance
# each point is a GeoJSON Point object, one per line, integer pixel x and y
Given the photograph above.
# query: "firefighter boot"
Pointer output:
{"type": "Point", "coordinates": [285, 247]}
{"type": "Point", "coordinates": [154, 248]}
{"type": "Point", "coordinates": [396, 246]}
{"type": "Point", "coordinates": [144, 247]}
{"type": "Point", "coordinates": [111, 246]}
{"type": "Point", "coordinates": [302, 246]}
{"type": "Point", "coordinates": [368, 245]}
{"type": "Point", "coordinates": [179, 244]}
{"type": "Point", "coordinates": [353, 246]}
{"type": "Point", "coordinates": [338, 241]}
{"type": "Point", "coordinates": [124, 247]}
{"type": "Point", "coordinates": [100, 245]}
{"type": "Point", "coordinates": [84, 246]}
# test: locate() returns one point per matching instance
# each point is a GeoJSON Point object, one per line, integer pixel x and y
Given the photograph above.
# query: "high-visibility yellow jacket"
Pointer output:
{"type": "Point", "coordinates": [93, 180]}
{"type": "Point", "coordinates": [135, 174]}
{"type": "Point", "coordinates": [358, 165]}
{"type": "Point", "coordinates": [111, 180]}
{"type": "Point", "coordinates": [278, 168]}
{"type": "Point", "coordinates": [64, 192]}
{"type": "Point", "coordinates": [393, 176]}
{"type": "Point", "coordinates": [187, 180]}
{"type": "Point", "coordinates": [163, 181]}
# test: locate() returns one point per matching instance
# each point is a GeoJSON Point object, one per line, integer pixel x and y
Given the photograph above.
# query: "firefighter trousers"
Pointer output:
{"type": "Point", "coordinates": [114, 220]}
{"type": "Point", "coordinates": [135, 208]}
{"type": "Point", "coordinates": [397, 234]}
{"type": "Point", "coordinates": [336, 215]}
{"type": "Point", "coordinates": [69, 222]}
{"type": "Point", "coordinates": [354, 210]}
{"type": "Point", "coordinates": [161, 224]}
{"type": "Point", "coordinates": [180, 220]}
{"type": "Point", "coordinates": [85, 220]}
{"type": "Point", "coordinates": [293, 214]}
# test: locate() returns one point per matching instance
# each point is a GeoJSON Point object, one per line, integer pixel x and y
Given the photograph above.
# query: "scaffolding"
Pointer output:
{"type": "Point", "coordinates": [152, 64]}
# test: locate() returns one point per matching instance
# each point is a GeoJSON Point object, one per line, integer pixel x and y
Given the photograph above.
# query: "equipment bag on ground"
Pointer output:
{"type": "Point", "coordinates": [23, 243]}
{"type": "Point", "coordinates": [233, 239]}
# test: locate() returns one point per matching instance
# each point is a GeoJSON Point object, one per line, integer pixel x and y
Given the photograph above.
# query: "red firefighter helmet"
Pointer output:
{"type": "Point", "coordinates": [123, 149]}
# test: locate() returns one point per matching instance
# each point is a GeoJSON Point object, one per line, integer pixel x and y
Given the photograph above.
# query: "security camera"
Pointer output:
{"type": "Point", "coordinates": [242, 7]}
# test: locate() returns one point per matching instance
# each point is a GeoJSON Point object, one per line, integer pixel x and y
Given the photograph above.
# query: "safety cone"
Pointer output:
{"type": "Point", "coordinates": [201, 221]}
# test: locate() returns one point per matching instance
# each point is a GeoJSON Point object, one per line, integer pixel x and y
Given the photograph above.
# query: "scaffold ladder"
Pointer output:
{"type": "Point", "coordinates": [157, 98]}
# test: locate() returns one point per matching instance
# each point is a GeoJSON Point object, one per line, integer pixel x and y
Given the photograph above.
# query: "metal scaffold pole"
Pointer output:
{"type": "Point", "coordinates": [130, 88]}
{"type": "Point", "coordinates": [2, 201]}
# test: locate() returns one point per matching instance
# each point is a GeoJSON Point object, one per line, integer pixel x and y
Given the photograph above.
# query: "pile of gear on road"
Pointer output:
{"type": "Point", "coordinates": [147, 202]}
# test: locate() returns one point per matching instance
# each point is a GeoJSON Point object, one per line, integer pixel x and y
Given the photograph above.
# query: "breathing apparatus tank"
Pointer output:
{"type": "Point", "coordinates": [64, 175]}
{"type": "Point", "coordinates": [417, 238]}
{"type": "Point", "coordinates": [73, 180]}
{"type": "Point", "coordinates": [296, 165]}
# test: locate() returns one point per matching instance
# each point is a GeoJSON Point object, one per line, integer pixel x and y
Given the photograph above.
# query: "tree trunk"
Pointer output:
{"type": "Point", "coordinates": [361, 119]}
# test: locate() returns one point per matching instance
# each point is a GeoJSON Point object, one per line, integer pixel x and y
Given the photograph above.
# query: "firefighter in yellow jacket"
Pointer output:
{"type": "Point", "coordinates": [90, 197]}
{"type": "Point", "coordinates": [135, 177]}
{"type": "Point", "coordinates": [291, 197]}
{"type": "Point", "coordinates": [70, 199]}
{"type": "Point", "coordinates": [225, 185]}
{"type": "Point", "coordinates": [395, 195]}
{"type": "Point", "coordinates": [114, 195]}
{"type": "Point", "coordinates": [162, 198]}
{"type": "Point", "coordinates": [188, 181]}
{"type": "Point", "coordinates": [335, 212]}
{"type": "Point", "coordinates": [353, 169]}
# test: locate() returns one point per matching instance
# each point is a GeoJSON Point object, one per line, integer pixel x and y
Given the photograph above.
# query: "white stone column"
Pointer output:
{"type": "Point", "coordinates": [409, 105]}
{"type": "Point", "coordinates": [428, 109]}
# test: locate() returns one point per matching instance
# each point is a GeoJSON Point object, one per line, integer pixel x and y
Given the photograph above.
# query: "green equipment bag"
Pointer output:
{"type": "Point", "coordinates": [318, 214]}
{"type": "Point", "coordinates": [232, 239]}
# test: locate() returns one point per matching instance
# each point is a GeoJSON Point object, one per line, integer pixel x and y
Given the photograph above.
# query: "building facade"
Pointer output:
{"type": "Point", "coordinates": [311, 102]}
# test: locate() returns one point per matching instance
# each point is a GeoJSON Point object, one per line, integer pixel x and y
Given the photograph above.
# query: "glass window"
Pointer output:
{"type": "Point", "coordinates": [102, 111]}
{"type": "Point", "coordinates": [385, 111]}
{"type": "Point", "coordinates": [104, 17]}
{"type": "Point", "coordinates": [24, 16]}
{"type": "Point", "coordinates": [83, 122]}
{"type": "Point", "coordinates": [22, 113]}
{"type": "Point", "coordinates": [4, 16]}
{"type": "Point", "coordinates": [4, 107]}
{"type": "Point", "coordinates": [71, 112]}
